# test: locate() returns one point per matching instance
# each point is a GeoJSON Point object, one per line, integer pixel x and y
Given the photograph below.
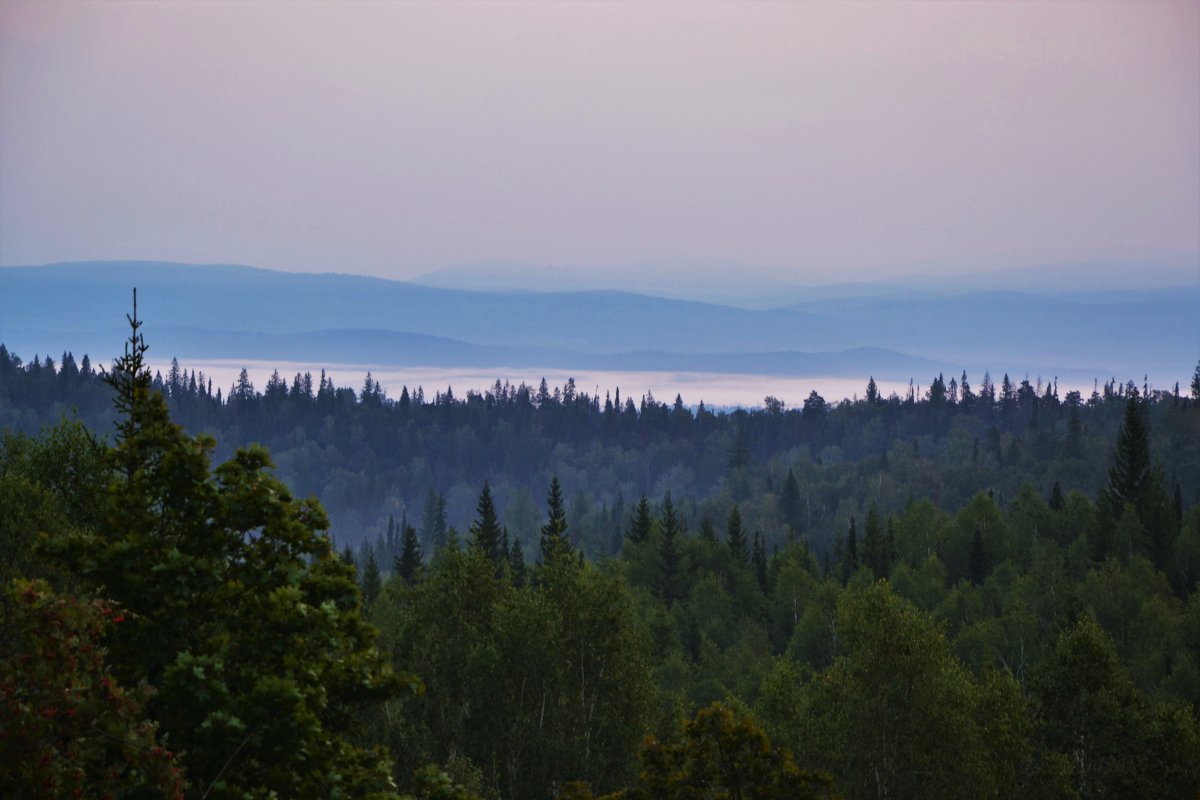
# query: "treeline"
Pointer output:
{"type": "Point", "coordinates": [945, 615]}
{"type": "Point", "coordinates": [795, 472]}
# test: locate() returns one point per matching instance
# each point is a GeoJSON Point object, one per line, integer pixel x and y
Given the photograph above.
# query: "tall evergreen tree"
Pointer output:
{"type": "Point", "coordinates": [760, 561]}
{"type": "Point", "coordinates": [669, 553]}
{"type": "Point", "coordinates": [1129, 476]}
{"type": "Point", "coordinates": [554, 541]}
{"type": "Point", "coordinates": [372, 581]}
{"type": "Point", "coordinates": [642, 522]}
{"type": "Point", "coordinates": [238, 614]}
{"type": "Point", "coordinates": [1057, 501]}
{"type": "Point", "coordinates": [850, 557]}
{"type": "Point", "coordinates": [409, 563]}
{"type": "Point", "coordinates": [516, 563]}
{"type": "Point", "coordinates": [485, 530]}
{"type": "Point", "coordinates": [735, 537]}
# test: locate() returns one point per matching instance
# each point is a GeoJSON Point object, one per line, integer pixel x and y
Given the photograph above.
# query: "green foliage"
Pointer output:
{"type": "Point", "coordinates": [66, 725]}
{"type": "Point", "coordinates": [1118, 743]}
{"type": "Point", "coordinates": [536, 684]}
{"type": "Point", "coordinates": [238, 615]}
{"type": "Point", "coordinates": [722, 756]}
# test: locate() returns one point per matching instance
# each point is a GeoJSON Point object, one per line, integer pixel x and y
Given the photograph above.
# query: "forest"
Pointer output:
{"type": "Point", "coordinates": [974, 590]}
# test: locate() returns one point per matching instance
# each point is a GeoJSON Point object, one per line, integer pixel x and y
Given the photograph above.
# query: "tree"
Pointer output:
{"type": "Point", "coordinates": [722, 756]}
{"type": "Point", "coordinates": [1129, 476]}
{"type": "Point", "coordinates": [1117, 742]}
{"type": "Point", "coordinates": [897, 716]}
{"type": "Point", "coordinates": [759, 557]}
{"type": "Point", "coordinates": [485, 530]}
{"type": "Point", "coordinates": [408, 563]}
{"type": "Point", "coordinates": [66, 725]}
{"type": "Point", "coordinates": [642, 523]}
{"type": "Point", "coordinates": [240, 617]}
{"type": "Point", "coordinates": [790, 500]}
{"type": "Point", "coordinates": [735, 537]}
{"type": "Point", "coordinates": [554, 532]}
{"type": "Point", "coordinates": [669, 554]}
{"type": "Point", "coordinates": [372, 582]}
{"type": "Point", "coordinates": [1196, 384]}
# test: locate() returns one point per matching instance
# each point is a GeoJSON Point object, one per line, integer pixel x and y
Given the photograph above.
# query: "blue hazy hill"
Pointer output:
{"type": "Point", "coordinates": [229, 311]}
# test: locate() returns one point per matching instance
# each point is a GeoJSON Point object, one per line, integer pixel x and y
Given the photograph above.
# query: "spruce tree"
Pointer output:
{"type": "Point", "coordinates": [850, 561]}
{"type": "Point", "coordinates": [554, 541]}
{"type": "Point", "coordinates": [735, 537]}
{"type": "Point", "coordinates": [642, 523]}
{"type": "Point", "coordinates": [485, 530]}
{"type": "Point", "coordinates": [1057, 501]}
{"type": "Point", "coordinates": [408, 563]}
{"type": "Point", "coordinates": [760, 561]}
{"type": "Point", "coordinates": [238, 614]}
{"type": "Point", "coordinates": [1129, 476]}
{"type": "Point", "coordinates": [372, 582]}
{"type": "Point", "coordinates": [516, 563]}
{"type": "Point", "coordinates": [669, 554]}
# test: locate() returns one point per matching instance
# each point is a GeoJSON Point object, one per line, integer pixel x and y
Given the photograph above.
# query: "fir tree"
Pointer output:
{"type": "Point", "coordinates": [1057, 501]}
{"type": "Point", "coordinates": [554, 543]}
{"type": "Point", "coordinates": [850, 558]}
{"type": "Point", "coordinates": [372, 582]}
{"type": "Point", "coordinates": [735, 537]}
{"type": "Point", "coordinates": [1129, 476]}
{"type": "Point", "coordinates": [485, 531]}
{"type": "Point", "coordinates": [760, 561]}
{"type": "Point", "coordinates": [516, 563]}
{"type": "Point", "coordinates": [669, 554]}
{"type": "Point", "coordinates": [408, 563]}
{"type": "Point", "coordinates": [642, 523]}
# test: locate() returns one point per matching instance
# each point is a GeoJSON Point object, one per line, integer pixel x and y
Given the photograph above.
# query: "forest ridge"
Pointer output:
{"type": "Point", "coordinates": [935, 594]}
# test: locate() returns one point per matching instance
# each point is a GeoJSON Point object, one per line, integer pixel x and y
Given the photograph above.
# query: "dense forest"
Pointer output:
{"type": "Point", "coordinates": [969, 591]}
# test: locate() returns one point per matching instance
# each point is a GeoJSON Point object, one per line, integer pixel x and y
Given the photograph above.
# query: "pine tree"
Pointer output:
{"type": "Point", "coordinates": [408, 563]}
{"type": "Point", "coordinates": [236, 607]}
{"type": "Point", "coordinates": [977, 565]}
{"type": "Point", "coordinates": [872, 391]}
{"type": "Point", "coordinates": [669, 554]}
{"type": "Point", "coordinates": [642, 523]}
{"type": "Point", "coordinates": [554, 541]}
{"type": "Point", "coordinates": [1057, 501]}
{"type": "Point", "coordinates": [850, 560]}
{"type": "Point", "coordinates": [1129, 476]}
{"type": "Point", "coordinates": [372, 582]}
{"type": "Point", "coordinates": [760, 561]}
{"type": "Point", "coordinates": [735, 537]}
{"type": "Point", "coordinates": [485, 531]}
{"type": "Point", "coordinates": [1196, 384]}
{"type": "Point", "coordinates": [790, 500]}
{"type": "Point", "coordinates": [516, 563]}
{"type": "Point", "coordinates": [1073, 443]}
{"type": "Point", "coordinates": [709, 534]}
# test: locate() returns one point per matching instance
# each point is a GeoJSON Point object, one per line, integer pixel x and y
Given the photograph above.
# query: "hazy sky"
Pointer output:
{"type": "Point", "coordinates": [826, 140]}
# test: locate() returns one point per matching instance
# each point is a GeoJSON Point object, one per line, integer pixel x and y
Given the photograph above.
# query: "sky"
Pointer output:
{"type": "Point", "coordinates": [816, 141]}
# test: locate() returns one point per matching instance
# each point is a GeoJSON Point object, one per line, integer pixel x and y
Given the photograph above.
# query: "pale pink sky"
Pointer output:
{"type": "Point", "coordinates": [825, 140]}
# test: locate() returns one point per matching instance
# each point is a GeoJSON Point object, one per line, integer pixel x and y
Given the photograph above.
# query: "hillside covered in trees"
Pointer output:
{"type": "Point", "coordinates": [976, 590]}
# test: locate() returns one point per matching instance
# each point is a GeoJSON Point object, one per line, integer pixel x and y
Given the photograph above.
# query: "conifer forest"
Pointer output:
{"type": "Point", "coordinates": [984, 588]}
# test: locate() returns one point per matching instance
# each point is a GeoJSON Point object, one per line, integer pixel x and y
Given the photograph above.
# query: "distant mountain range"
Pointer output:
{"type": "Point", "coordinates": [891, 331]}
